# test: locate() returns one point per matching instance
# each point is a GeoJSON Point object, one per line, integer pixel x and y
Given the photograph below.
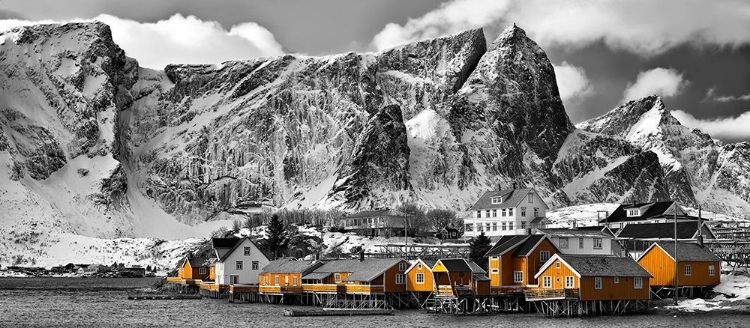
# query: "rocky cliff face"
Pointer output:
{"type": "Point", "coordinates": [698, 170]}
{"type": "Point", "coordinates": [435, 122]}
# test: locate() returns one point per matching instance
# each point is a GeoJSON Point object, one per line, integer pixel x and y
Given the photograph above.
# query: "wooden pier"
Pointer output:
{"type": "Point", "coordinates": [336, 312]}
{"type": "Point", "coordinates": [164, 297]}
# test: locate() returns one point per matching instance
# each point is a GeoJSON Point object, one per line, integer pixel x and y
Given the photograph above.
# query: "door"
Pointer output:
{"type": "Point", "coordinates": [234, 279]}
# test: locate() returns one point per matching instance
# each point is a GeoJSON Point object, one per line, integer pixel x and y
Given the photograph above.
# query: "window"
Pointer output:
{"type": "Point", "coordinates": [711, 270]}
{"type": "Point", "coordinates": [531, 198]}
{"type": "Point", "coordinates": [544, 256]}
{"type": "Point", "coordinates": [469, 227]}
{"type": "Point", "coordinates": [479, 214]}
{"type": "Point", "coordinates": [597, 282]}
{"type": "Point", "coordinates": [420, 278]}
{"type": "Point", "coordinates": [580, 243]}
{"type": "Point", "coordinates": [504, 226]}
{"type": "Point", "coordinates": [494, 226]}
{"type": "Point", "coordinates": [497, 200]}
{"type": "Point", "coordinates": [687, 269]}
{"type": "Point", "coordinates": [510, 225]}
{"type": "Point", "coordinates": [419, 265]}
{"type": "Point", "coordinates": [337, 277]}
{"type": "Point", "coordinates": [557, 265]}
{"type": "Point", "coordinates": [202, 270]}
{"type": "Point", "coordinates": [494, 213]}
{"type": "Point", "coordinates": [597, 243]}
{"type": "Point", "coordinates": [547, 282]}
{"type": "Point", "coordinates": [495, 271]}
{"type": "Point", "coordinates": [523, 211]}
{"type": "Point", "coordinates": [488, 226]}
{"type": "Point", "coordinates": [276, 280]}
{"type": "Point", "coordinates": [569, 282]}
{"type": "Point", "coordinates": [400, 278]}
{"type": "Point", "coordinates": [286, 280]}
{"type": "Point", "coordinates": [234, 279]}
{"type": "Point", "coordinates": [510, 212]}
{"type": "Point", "coordinates": [637, 282]}
{"type": "Point", "coordinates": [479, 227]}
{"type": "Point", "coordinates": [487, 213]}
{"type": "Point", "coordinates": [634, 212]}
{"type": "Point", "coordinates": [617, 280]}
{"type": "Point", "coordinates": [294, 281]}
{"type": "Point", "coordinates": [563, 242]}
{"type": "Point", "coordinates": [402, 266]}
{"type": "Point", "coordinates": [247, 251]}
{"type": "Point", "coordinates": [255, 265]}
{"type": "Point", "coordinates": [494, 258]}
{"type": "Point", "coordinates": [536, 211]}
{"type": "Point", "coordinates": [239, 265]}
{"type": "Point", "coordinates": [504, 213]}
{"type": "Point", "coordinates": [523, 224]}
{"type": "Point", "coordinates": [517, 276]}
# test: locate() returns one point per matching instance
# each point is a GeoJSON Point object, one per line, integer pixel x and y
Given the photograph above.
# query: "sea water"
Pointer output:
{"type": "Point", "coordinates": [102, 302]}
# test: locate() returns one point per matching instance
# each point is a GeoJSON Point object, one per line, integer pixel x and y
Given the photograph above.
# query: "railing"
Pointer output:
{"type": "Point", "coordinates": [364, 289]}
{"type": "Point", "coordinates": [541, 294]}
{"type": "Point", "coordinates": [508, 290]}
{"type": "Point", "coordinates": [183, 281]}
{"type": "Point", "coordinates": [454, 291]}
{"type": "Point", "coordinates": [280, 289]}
{"type": "Point", "coordinates": [323, 288]}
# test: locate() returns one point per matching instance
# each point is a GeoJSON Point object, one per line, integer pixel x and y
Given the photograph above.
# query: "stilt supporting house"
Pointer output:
{"type": "Point", "coordinates": [572, 307]}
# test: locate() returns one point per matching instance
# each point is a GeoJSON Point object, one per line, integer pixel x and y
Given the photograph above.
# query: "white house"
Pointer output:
{"type": "Point", "coordinates": [506, 212]}
{"type": "Point", "coordinates": [239, 261]}
{"type": "Point", "coordinates": [584, 240]}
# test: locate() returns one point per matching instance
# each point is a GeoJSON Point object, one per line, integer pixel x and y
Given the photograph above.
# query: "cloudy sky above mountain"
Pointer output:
{"type": "Point", "coordinates": [694, 53]}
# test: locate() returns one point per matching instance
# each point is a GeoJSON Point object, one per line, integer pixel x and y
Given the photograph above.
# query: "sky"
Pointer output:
{"type": "Point", "coordinates": [695, 54]}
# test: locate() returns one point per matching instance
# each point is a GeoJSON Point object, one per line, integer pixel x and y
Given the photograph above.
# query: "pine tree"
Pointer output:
{"type": "Point", "coordinates": [277, 239]}
{"type": "Point", "coordinates": [479, 246]}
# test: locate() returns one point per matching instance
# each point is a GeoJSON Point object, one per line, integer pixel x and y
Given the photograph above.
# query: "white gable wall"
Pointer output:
{"type": "Point", "coordinates": [248, 276]}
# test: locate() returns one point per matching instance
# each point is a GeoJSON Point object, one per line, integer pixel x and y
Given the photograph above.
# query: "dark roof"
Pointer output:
{"type": "Point", "coordinates": [289, 266]}
{"type": "Point", "coordinates": [224, 242]}
{"type": "Point", "coordinates": [197, 262]}
{"type": "Point", "coordinates": [653, 210]}
{"type": "Point", "coordinates": [523, 245]}
{"type": "Point", "coordinates": [456, 265]}
{"type": "Point", "coordinates": [575, 232]}
{"type": "Point", "coordinates": [475, 268]}
{"type": "Point", "coordinates": [479, 277]}
{"type": "Point", "coordinates": [685, 230]}
{"type": "Point", "coordinates": [528, 245]}
{"type": "Point", "coordinates": [511, 198]}
{"type": "Point", "coordinates": [365, 270]}
{"type": "Point", "coordinates": [505, 244]}
{"type": "Point", "coordinates": [686, 251]}
{"type": "Point", "coordinates": [376, 213]}
{"type": "Point", "coordinates": [603, 265]}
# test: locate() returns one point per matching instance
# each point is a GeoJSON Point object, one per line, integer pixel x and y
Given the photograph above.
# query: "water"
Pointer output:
{"type": "Point", "coordinates": [76, 302]}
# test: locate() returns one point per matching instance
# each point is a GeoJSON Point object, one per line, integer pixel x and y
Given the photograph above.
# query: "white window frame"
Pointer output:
{"type": "Point", "coordinates": [247, 250]}
{"type": "Point", "coordinates": [536, 211]}
{"type": "Point", "coordinates": [239, 265]}
{"type": "Point", "coordinates": [494, 226]}
{"type": "Point", "coordinates": [337, 277]}
{"type": "Point", "coordinates": [495, 271]}
{"type": "Point", "coordinates": [419, 265]}
{"type": "Point", "coordinates": [504, 213]}
{"type": "Point", "coordinates": [400, 278]}
{"type": "Point", "coordinates": [711, 270]}
{"type": "Point", "coordinates": [523, 224]}
{"type": "Point", "coordinates": [494, 213]}
{"type": "Point", "coordinates": [688, 270]}
{"type": "Point", "coordinates": [518, 276]}
{"type": "Point", "coordinates": [510, 226]}
{"type": "Point", "coordinates": [504, 226]}
{"type": "Point", "coordinates": [637, 282]}
{"type": "Point", "coordinates": [617, 280]}
{"type": "Point", "coordinates": [202, 270]}
{"type": "Point", "coordinates": [597, 282]}
{"type": "Point", "coordinates": [234, 279]}
{"type": "Point", "coordinates": [564, 244]}
{"type": "Point", "coordinates": [531, 198]}
{"type": "Point", "coordinates": [546, 282]}
{"type": "Point", "coordinates": [543, 256]}
{"type": "Point", "coordinates": [510, 212]}
{"type": "Point", "coordinates": [557, 265]}
{"type": "Point", "coordinates": [569, 282]}
{"type": "Point", "coordinates": [255, 265]}
{"type": "Point", "coordinates": [276, 280]}
{"type": "Point", "coordinates": [523, 211]}
{"type": "Point", "coordinates": [597, 243]}
{"type": "Point", "coordinates": [479, 214]}
{"type": "Point", "coordinates": [580, 243]}
{"type": "Point", "coordinates": [402, 267]}
{"type": "Point", "coordinates": [294, 281]}
{"type": "Point", "coordinates": [420, 278]}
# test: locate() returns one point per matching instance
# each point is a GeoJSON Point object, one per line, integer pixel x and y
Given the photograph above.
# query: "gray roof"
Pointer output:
{"type": "Point", "coordinates": [505, 244]}
{"type": "Point", "coordinates": [475, 268]}
{"type": "Point", "coordinates": [604, 266]}
{"type": "Point", "coordinates": [528, 245]}
{"type": "Point", "coordinates": [575, 233]}
{"type": "Point", "coordinates": [511, 198]}
{"type": "Point", "coordinates": [479, 277]}
{"type": "Point", "coordinates": [289, 266]}
{"type": "Point", "coordinates": [197, 262]}
{"type": "Point", "coordinates": [377, 213]}
{"type": "Point", "coordinates": [366, 270]}
{"type": "Point", "coordinates": [685, 230]}
{"type": "Point", "coordinates": [686, 251]}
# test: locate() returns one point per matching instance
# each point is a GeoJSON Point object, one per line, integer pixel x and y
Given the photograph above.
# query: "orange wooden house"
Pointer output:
{"type": "Point", "coordinates": [364, 276]}
{"type": "Point", "coordinates": [197, 268]}
{"type": "Point", "coordinates": [459, 277]}
{"type": "Point", "coordinates": [515, 260]}
{"type": "Point", "coordinates": [285, 276]}
{"type": "Point", "coordinates": [419, 277]}
{"type": "Point", "coordinates": [697, 266]}
{"type": "Point", "coordinates": [590, 278]}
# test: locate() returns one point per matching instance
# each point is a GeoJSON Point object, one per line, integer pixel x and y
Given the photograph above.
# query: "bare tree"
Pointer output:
{"type": "Point", "coordinates": [416, 221]}
{"type": "Point", "coordinates": [441, 218]}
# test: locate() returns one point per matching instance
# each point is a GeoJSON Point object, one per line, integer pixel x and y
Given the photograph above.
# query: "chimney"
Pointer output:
{"type": "Point", "coordinates": [499, 187]}
{"type": "Point", "coordinates": [514, 185]}
{"type": "Point", "coordinates": [700, 240]}
{"type": "Point", "coordinates": [573, 225]}
{"type": "Point", "coordinates": [362, 255]}
{"type": "Point", "coordinates": [528, 231]}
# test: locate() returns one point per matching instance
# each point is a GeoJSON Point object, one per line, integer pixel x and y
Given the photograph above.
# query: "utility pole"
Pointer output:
{"type": "Point", "coordinates": [676, 265]}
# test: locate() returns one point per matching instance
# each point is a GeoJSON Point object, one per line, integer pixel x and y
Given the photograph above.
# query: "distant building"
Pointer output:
{"type": "Point", "coordinates": [239, 261]}
{"type": "Point", "coordinates": [636, 238]}
{"type": "Point", "coordinates": [506, 212]}
{"type": "Point", "coordinates": [382, 222]}
{"type": "Point", "coordinates": [582, 240]}
{"type": "Point", "coordinates": [638, 213]}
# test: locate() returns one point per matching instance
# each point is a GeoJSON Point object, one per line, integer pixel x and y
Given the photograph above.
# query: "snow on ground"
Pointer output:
{"type": "Point", "coordinates": [583, 215]}
{"type": "Point", "coordinates": [733, 288]}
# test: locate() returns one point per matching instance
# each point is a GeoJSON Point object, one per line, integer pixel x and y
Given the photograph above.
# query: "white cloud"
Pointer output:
{"type": "Point", "coordinates": [729, 128]}
{"type": "Point", "coordinates": [572, 83]}
{"type": "Point", "coordinates": [712, 96]}
{"type": "Point", "coordinates": [658, 81]}
{"type": "Point", "coordinates": [182, 40]}
{"type": "Point", "coordinates": [644, 27]}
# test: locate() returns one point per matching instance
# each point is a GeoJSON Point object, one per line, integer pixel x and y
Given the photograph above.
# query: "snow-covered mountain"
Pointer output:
{"type": "Point", "coordinates": [93, 145]}
{"type": "Point", "coordinates": [699, 171]}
